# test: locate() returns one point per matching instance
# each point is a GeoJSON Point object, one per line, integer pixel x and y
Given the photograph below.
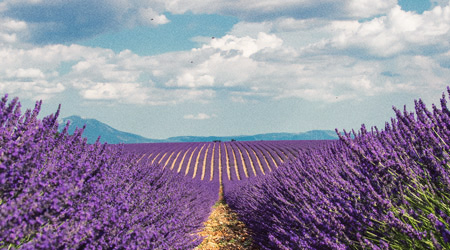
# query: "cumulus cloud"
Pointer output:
{"type": "Point", "coordinates": [148, 16]}
{"type": "Point", "coordinates": [199, 116]}
{"type": "Point", "coordinates": [396, 33]}
{"type": "Point", "coordinates": [240, 68]}
{"type": "Point", "coordinates": [247, 46]}
{"type": "Point", "coordinates": [20, 73]}
{"type": "Point", "coordinates": [258, 67]}
{"type": "Point", "coordinates": [113, 91]}
{"type": "Point", "coordinates": [96, 74]}
{"type": "Point", "coordinates": [12, 30]}
{"type": "Point", "coordinates": [56, 21]}
{"type": "Point", "coordinates": [368, 8]}
{"type": "Point", "coordinates": [12, 25]}
{"type": "Point", "coordinates": [35, 90]}
{"type": "Point", "coordinates": [317, 59]}
{"type": "Point", "coordinates": [327, 61]}
{"type": "Point", "coordinates": [188, 79]}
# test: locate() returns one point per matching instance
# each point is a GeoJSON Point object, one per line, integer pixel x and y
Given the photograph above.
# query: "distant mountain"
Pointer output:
{"type": "Point", "coordinates": [310, 135]}
{"type": "Point", "coordinates": [94, 129]}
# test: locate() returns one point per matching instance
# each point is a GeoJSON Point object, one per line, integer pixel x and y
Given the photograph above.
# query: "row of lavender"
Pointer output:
{"type": "Point", "coordinates": [57, 192]}
{"type": "Point", "coordinates": [238, 160]}
{"type": "Point", "coordinates": [378, 189]}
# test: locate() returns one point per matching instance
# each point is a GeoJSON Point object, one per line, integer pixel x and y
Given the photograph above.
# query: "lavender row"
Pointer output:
{"type": "Point", "coordinates": [376, 189]}
{"type": "Point", "coordinates": [236, 173]}
{"type": "Point", "coordinates": [258, 160]}
{"type": "Point", "coordinates": [272, 154]}
{"type": "Point", "coordinates": [58, 192]}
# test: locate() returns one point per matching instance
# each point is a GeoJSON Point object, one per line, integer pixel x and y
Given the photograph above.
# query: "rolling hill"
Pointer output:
{"type": "Point", "coordinates": [95, 128]}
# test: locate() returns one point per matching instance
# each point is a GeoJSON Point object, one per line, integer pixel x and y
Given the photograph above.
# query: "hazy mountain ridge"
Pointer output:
{"type": "Point", "coordinates": [310, 135]}
{"type": "Point", "coordinates": [95, 128]}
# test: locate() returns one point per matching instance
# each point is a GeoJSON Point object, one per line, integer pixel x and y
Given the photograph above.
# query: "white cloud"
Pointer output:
{"type": "Point", "coordinates": [368, 8]}
{"type": "Point", "coordinates": [319, 60]}
{"type": "Point", "coordinates": [37, 89]}
{"type": "Point", "coordinates": [199, 116]}
{"type": "Point", "coordinates": [12, 25]}
{"type": "Point", "coordinates": [240, 68]}
{"type": "Point", "coordinates": [11, 30]}
{"type": "Point", "coordinates": [190, 80]}
{"type": "Point", "coordinates": [131, 92]}
{"type": "Point", "coordinates": [30, 73]}
{"type": "Point", "coordinates": [8, 38]}
{"type": "Point", "coordinates": [396, 33]}
{"type": "Point", "coordinates": [327, 61]}
{"type": "Point", "coordinates": [148, 16]}
{"type": "Point", "coordinates": [34, 70]}
{"type": "Point", "coordinates": [54, 22]}
{"type": "Point", "coordinates": [221, 59]}
{"type": "Point", "coordinates": [247, 46]}
{"type": "Point", "coordinates": [101, 69]}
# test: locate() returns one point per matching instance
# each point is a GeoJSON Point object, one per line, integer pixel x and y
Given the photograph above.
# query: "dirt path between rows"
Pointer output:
{"type": "Point", "coordinates": [224, 231]}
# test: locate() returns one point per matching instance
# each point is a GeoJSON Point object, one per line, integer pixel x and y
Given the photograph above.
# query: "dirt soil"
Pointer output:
{"type": "Point", "coordinates": [223, 230]}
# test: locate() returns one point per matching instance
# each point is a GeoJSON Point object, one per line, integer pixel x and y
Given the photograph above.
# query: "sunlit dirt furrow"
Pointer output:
{"type": "Point", "coordinates": [212, 163]}
{"type": "Point", "coordinates": [175, 160]}
{"type": "Point", "coordinates": [172, 157]}
{"type": "Point", "coordinates": [162, 158]}
{"type": "Point", "coordinates": [168, 159]}
{"type": "Point", "coordinates": [140, 158]}
{"type": "Point", "coordinates": [182, 160]}
{"type": "Point", "coordinates": [271, 156]}
{"type": "Point", "coordinates": [265, 158]}
{"type": "Point", "coordinates": [189, 162]}
{"type": "Point", "coordinates": [274, 154]}
{"type": "Point", "coordinates": [236, 167]}
{"type": "Point", "coordinates": [244, 167]}
{"type": "Point", "coordinates": [227, 161]}
{"type": "Point", "coordinates": [259, 161]}
{"type": "Point", "coordinates": [197, 160]}
{"type": "Point", "coordinates": [250, 160]}
{"type": "Point", "coordinates": [220, 167]}
{"type": "Point", "coordinates": [204, 163]}
{"type": "Point", "coordinates": [278, 155]}
{"type": "Point", "coordinates": [226, 165]}
{"type": "Point", "coordinates": [153, 160]}
{"type": "Point", "coordinates": [158, 158]}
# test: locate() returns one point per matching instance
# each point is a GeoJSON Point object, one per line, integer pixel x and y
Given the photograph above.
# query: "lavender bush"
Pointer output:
{"type": "Point", "coordinates": [377, 189]}
{"type": "Point", "coordinates": [58, 192]}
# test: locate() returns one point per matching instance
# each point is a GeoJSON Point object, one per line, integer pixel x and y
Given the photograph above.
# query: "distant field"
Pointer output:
{"type": "Point", "coordinates": [238, 160]}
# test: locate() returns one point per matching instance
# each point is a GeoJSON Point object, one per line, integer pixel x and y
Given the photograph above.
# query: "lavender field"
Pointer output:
{"type": "Point", "coordinates": [237, 160]}
{"type": "Point", "coordinates": [372, 189]}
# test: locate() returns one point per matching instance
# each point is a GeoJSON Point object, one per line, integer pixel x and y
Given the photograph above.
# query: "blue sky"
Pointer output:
{"type": "Point", "coordinates": [215, 67]}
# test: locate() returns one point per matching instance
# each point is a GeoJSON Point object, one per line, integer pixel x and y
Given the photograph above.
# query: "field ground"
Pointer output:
{"type": "Point", "coordinates": [223, 230]}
